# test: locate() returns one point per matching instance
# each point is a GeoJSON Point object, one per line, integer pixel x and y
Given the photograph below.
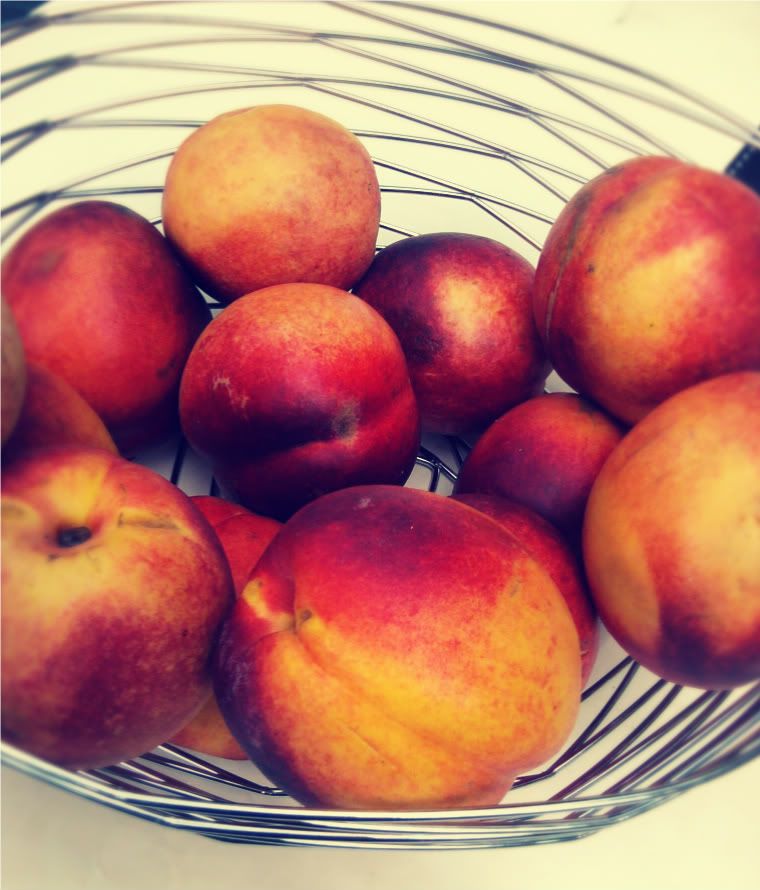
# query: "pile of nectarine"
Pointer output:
{"type": "Point", "coordinates": [368, 644]}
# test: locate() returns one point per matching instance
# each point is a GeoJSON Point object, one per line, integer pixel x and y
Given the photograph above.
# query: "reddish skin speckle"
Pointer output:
{"type": "Point", "coordinates": [115, 315]}
{"type": "Point", "coordinates": [649, 281]}
{"type": "Point", "coordinates": [461, 306]}
{"type": "Point", "coordinates": [545, 454]}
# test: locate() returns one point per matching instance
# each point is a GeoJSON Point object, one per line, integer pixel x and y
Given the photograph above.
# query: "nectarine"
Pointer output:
{"type": "Point", "coordinates": [545, 453]}
{"type": "Point", "coordinates": [270, 195]}
{"type": "Point", "coordinates": [54, 413]}
{"type": "Point", "coordinates": [296, 390]}
{"type": "Point", "coordinates": [672, 536]}
{"type": "Point", "coordinates": [364, 666]}
{"type": "Point", "coordinates": [461, 305]}
{"type": "Point", "coordinates": [114, 588]}
{"type": "Point", "coordinates": [101, 300]}
{"type": "Point", "coordinates": [13, 375]}
{"type": "Point", "coordinates": [649, 281]}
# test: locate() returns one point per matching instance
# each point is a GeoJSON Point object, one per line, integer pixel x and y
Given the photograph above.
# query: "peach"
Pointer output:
{"type": "Point", "coordinates": [244, 536]}
{"type": "Point", "coordinates": [548, 547]}
{"type": "Point", "coordinates": [545, 453]}
{"type": "Point", "coordinates": [363, 667]}
{"type": "Point", "coordinates": [101, 301]}
{"type": "Point", "coordinates": [272, 194]}
{"type": "Point", "coordinates": [649, 281]}
{"type": "Point", "coordinates": [114, 588]}
{"type": "Point", "coordinates": [296, 390]}
{"type": "Point", "coordinates": [461, 305]}
{"type": "Point", "coordinates": [55, 414]}
{"type": "Point", "coordinates": [672, 536]}
{"type": "Point", "coordinates": [13, 373]}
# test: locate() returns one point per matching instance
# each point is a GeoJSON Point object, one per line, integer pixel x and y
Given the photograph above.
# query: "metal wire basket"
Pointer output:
{"type": "Point", "coordinates": [488, 135]}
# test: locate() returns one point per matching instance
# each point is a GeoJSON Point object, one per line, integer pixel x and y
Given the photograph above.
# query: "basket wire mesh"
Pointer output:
{"type": "Point", "coordinates": [489, 136]}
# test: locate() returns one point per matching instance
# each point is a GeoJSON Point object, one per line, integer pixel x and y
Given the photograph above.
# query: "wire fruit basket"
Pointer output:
{"type": "Point", "coordinates": [488, 135]}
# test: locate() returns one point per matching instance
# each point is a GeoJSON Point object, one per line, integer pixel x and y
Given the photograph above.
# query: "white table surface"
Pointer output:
{"type": "Point", "coordinates": [707, 838]}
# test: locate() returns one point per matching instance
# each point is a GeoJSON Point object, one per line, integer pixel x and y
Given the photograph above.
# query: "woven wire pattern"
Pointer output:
{"type": "Point", "coordinates": [489, 137]}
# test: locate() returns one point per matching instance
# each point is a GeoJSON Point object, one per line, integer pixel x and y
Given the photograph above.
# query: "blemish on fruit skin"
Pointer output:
{"type": "Point", "coordinates": [344, 424]}
{"type": "Point", "coordinates": [168, 368]}
{"type": "Point", "coordinates": [147, 522]}
{"type": "Point", "coordinates": [45, 263]}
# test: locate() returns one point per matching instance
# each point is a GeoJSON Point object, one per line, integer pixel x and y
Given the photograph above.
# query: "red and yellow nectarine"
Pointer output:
{"type": "Point", "coordinates": [545, 453]}
{"type": "Point", "coordinates": [649, 281]}
{"type": "Point", "coordinates": [101, 300]}
{"type": "Point", "coordinates": [296, 390]}
{"type": "Point", "coordinates": [114, 588]}
{"type": "Point", "coordinates": [364, 667]}
{"type": "Point", "coordinates": [270, 195]}
{"type": "Point", "coordinates": [672, 536]}
{"type": "Point", "coordinates": [461, 305]}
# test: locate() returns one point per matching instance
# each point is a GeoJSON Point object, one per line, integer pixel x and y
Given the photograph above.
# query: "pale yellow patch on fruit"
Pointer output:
{"type": "Point", "coordinates": [460, 307]}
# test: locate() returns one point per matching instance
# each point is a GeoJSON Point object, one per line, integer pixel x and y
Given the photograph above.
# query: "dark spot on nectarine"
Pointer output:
{"type": "Point", "coordinates": [168, 368]}
{"type": "Point", "coordinates": [70, 537]}
{"type": "Point", "coordinates": [45, 263]}
{"type": "Point", "coordinates": [591, 268]}
{"type": "Point", "coordinates": [345, 422]}
{"type": "Point", "coordinates": [421, 343]}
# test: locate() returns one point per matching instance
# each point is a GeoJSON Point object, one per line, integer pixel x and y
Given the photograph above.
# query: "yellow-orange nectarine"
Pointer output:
{"type": "Point", "coordinates": [365, 667]}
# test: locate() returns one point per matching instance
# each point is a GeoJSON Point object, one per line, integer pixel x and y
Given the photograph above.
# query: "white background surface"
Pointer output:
{"type": "Point", "coordinates": [708, 838]}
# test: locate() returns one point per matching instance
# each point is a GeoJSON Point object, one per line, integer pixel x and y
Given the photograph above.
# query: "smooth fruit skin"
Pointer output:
{"type": "Point", "coordinates": [270, 195]}
{"type": "Point", "coordinates": [549, 548]}
{"type": "Point", "coordinates": [114, 588]}
{"type": "Point", "coordinates": [672, 536]}
{"type": "Point", "coordinates": [461, 305]}
{"type": "Point", "coordinates": [101, 300]}
{"type": "Point", "coordinates": [55, 414]}
{"type": "Point", "coordinates": [545, 454]}
{"type": "Point", "coordinates": [649, 281]}
{"type": "Point", "coordinates": [244, 536]}
{"type": "Point", "coordinates": [296, 390]}
{"type": "Point", "coordinates": [13, 375]}
{"type": "Point", "coordinates": [397, 649]}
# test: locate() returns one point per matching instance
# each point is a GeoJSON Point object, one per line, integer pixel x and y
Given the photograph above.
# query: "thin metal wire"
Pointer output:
{"type": "Point", "coordinates": [640, 741]}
